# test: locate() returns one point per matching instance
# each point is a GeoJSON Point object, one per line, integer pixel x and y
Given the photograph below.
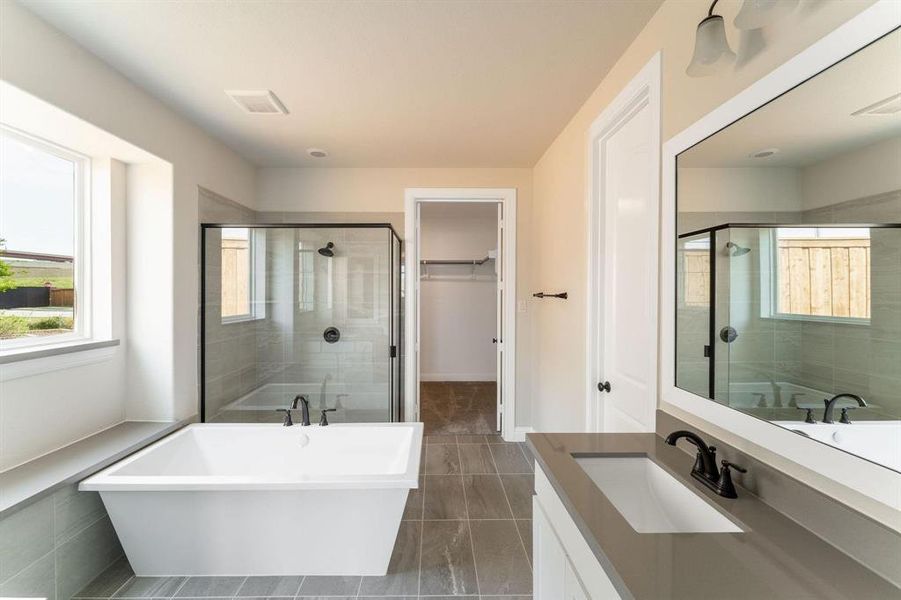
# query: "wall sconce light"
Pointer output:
{"type": "Point", "coordinates": [755, 14]}
{"type": "Point", "coordinates": [712, 51]}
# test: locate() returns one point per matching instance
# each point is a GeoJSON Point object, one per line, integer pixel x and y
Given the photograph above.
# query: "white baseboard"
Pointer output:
{"type": "Point", "coordinates": [457, 377]}
{"type": "Point", "coordinates": [519, 434]}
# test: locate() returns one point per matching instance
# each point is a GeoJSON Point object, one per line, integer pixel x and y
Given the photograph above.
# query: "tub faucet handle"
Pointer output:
{"type": "Point", "coordinates": [809, 418]}
{"type": "Point", "coordinates": [323, 419]}
{"type": "Point", "coordinates": [288, 422]}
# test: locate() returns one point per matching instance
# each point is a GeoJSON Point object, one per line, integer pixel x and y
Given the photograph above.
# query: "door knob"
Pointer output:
{"type": "Point", "coordinates": [604, 387]}
{"type": "Point", "coordinates": [493, 340]}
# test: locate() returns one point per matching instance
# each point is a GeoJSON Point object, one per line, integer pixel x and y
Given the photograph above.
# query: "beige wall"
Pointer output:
{"type": "Point", "coordinates": [362, 190]}
{"type": "Point", "coordinates": [560, 210]}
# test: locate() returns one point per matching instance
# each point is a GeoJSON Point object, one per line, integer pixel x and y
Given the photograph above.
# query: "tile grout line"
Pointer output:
{"type": "Point", "coordinates": [421, 536]}
{"type": "Point", "coordinates": [472, 545]}
{"type": "Point", "coordinates": [515, 525]}
{"type": "Point", "coordinates": [127, 581]}
{"type": "Point", "coordinates": [178, 589]}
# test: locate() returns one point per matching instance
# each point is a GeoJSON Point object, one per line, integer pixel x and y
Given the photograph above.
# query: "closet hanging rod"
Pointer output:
{"type": "Point", "coordinates": [455, 262]}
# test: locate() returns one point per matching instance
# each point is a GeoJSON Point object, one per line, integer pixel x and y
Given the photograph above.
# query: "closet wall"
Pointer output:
{"type": "Point", "coordinates": [458, 319]}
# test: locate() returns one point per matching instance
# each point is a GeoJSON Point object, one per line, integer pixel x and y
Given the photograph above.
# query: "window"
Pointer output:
{"type": "Point", "coordinates": [243, 274]}
{"type": "Point", "coordinates": [306, 277]}
{"type": "Point", "coordinates": [44, 295]}
{"type": "Point", "coordinates": [821, 273]}
{"type": "Point", "coordinates": [696, 272]}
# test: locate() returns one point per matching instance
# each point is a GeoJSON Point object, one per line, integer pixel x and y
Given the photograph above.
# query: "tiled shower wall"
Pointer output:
{"type": "Point", "coordinates": [351, 292]}
{"type": "Point", "coordinates": [853, 358]}
{"type": "Point", "coordinates": [53, 547]}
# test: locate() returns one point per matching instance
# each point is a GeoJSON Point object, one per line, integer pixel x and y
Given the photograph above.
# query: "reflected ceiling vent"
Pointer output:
{"type": "Point", "coordinates": [258, 102]}
{"type": "Point", "coordinates": [889, 106]}
{"type": "Point", "coordinates": [765, 153]}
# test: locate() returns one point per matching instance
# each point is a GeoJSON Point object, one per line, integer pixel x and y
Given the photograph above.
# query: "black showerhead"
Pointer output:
{"type": "Point", "coordinates": [327, 250]}
{"type": "Point", "coordinates": [736, 249]}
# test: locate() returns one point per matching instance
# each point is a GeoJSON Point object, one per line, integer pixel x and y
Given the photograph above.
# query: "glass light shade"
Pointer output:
{"type": "Point", "coordinates": [755, 14]}
{"type": "Point", "coordinates": [712, 51]}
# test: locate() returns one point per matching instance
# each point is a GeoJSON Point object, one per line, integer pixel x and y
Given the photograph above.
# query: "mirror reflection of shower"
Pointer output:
{"type": "Point", "coordinates": [737, 250]}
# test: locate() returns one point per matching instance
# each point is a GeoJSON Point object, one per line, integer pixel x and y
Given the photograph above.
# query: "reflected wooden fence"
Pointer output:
{"type": "Point", "coordinates": [825, 277]}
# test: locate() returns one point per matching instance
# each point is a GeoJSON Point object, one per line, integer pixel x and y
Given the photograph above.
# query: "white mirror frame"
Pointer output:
{"type": "Point", "coordinates": [848, 471]}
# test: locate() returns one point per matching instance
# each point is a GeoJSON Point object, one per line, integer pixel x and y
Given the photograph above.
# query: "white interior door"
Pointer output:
{"type": "Point", "coordinates": [499, 333]}
{"type": "Point", "coordinates": [413, 278]}
{"type": "Point", "coordinates": [627, 165]}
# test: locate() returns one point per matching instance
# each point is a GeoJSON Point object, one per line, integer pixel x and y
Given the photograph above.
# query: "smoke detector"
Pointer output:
{"type": "Point", "coordinates": [258, 102]}
{"type": "Point", "coordinates": [888, 106]}
{"type": "Point", "coordinates": [317, 152]}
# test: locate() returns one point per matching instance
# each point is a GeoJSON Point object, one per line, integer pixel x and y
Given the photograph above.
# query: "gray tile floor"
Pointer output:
{"type": "Point", "coordinates": [466, 532]}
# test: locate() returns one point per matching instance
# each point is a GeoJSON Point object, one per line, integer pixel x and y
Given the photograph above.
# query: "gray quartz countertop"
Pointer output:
{"type": "Point", "coordinates": [774, 558]}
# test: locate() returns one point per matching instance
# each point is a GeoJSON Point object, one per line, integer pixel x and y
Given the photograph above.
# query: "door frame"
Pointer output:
{"type": "Point", "coordinates": [644, 89]}
{"type": "Point", "coordinates": [413, 199]}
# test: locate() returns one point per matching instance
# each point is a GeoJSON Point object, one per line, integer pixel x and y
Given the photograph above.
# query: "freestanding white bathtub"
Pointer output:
{"type": "Point", "coordinates": [236, 499]}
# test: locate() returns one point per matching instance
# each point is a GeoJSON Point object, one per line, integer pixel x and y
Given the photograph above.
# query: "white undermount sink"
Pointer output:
{"type": "Point", "coordinates": [652, 500]}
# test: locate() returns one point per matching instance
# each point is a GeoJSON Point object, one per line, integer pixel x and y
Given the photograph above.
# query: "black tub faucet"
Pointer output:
{"type": "Point", "coordinates": [830, 407]}
{"type": "Point", "coordinates": [304, 408]}
{"type": "Point", "coordinates": [705, 469]}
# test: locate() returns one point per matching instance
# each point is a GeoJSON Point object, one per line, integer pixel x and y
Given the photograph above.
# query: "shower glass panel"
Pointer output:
{"type": "Point", "coordinates": [311, 310]}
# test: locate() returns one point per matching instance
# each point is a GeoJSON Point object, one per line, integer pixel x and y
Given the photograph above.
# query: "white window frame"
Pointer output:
{"type": "Point", "coordinates": [302, 253]}
{"type": "Point", "coordinates": [81, 249]}
{"type": "Point", "coordinates": [256, 245]}
{"type": "Point", "coordinates": [769, 287]}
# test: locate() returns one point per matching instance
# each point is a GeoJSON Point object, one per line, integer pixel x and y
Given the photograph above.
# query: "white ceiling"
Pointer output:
{"type": "Point", "coordinates": [449, 83]}
{"type": "Point", "coordinates": [814, 121]}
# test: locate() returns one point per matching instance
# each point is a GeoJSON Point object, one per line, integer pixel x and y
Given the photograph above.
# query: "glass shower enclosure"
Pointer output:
{"type": "Point", "coordinates": [305, 309]}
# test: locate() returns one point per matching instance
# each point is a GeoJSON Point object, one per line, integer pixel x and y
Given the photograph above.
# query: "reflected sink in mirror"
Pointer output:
{"type": "Point", "coordinates": [652, 500]}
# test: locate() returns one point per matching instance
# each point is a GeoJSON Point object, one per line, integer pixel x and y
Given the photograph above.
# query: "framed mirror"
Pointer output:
{"type": "Point", "coordinates": [785, 244]}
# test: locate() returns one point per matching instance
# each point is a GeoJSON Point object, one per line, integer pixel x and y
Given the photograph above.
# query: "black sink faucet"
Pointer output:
{"type": "Point", "coordinates": [304, 409]}
{"type": "Point", "coordinates": [705, 462]}
{"type": "Point", "coordinates": [830, 407]}
{"type": "Point", "coordinates": [705, 469]}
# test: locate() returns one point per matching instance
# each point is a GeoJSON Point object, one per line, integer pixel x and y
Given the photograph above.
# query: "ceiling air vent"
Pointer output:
{"type": "Point", "coordinates": [889, 106]}
{"type": "Point", "coordinates": [258, 102]}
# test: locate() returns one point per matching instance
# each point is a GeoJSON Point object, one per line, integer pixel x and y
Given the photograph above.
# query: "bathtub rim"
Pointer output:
{"type": "Point", "coordinates": [107, 481]}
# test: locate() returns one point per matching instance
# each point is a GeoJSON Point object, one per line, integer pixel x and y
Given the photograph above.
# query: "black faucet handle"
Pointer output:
{"type": "Point", "coordinates": [323, 419]}
{"type": "Point", "coordinates": [809, 417]}
{"type": "Point", "coordinates": [288, 422]}
{"type": "Point", "coordinates": [845, 418]}
{"type": "Point", "coordinates": [724, 486]}
{"type": "Point", "coordinates": [726, 464]}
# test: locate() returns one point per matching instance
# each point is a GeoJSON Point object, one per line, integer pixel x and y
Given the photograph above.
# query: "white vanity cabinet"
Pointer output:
{"type": "Point", "coordinates": [564, 566]}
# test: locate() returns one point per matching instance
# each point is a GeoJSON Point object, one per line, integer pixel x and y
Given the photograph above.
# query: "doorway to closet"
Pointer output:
{"type": "Point", "coordinates": [458, 317]}
{"type": "Point", "coordinates": [460, 320]}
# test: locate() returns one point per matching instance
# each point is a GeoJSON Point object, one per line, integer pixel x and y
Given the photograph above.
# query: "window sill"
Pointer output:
{"type": "Point", "coordinates": [241, 319]}
{"type": "Point", "coordinates": [23, 362]}
{"type": "Point", "coordinates": [819, 319]}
